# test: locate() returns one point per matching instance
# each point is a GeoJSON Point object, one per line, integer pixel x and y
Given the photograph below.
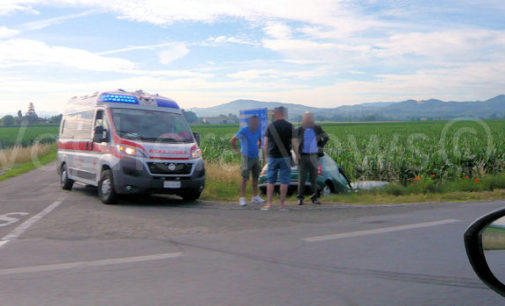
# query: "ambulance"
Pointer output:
{"type": "Point", "coordinates": [129, 143]}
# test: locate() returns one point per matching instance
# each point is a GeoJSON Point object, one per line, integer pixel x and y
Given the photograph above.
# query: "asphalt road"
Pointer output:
{"type": "Point", "coordinates": [66, 248]}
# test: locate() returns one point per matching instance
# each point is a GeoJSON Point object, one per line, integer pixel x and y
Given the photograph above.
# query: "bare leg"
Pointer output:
{"type": "Point", "coordinates": [243, 188]}
{"type": "Point", "coordinates": [255, 187]}
{"type": "Point", "coordinates": [270, 195]}
{"type": "Point", "coordinates": [284, 191]}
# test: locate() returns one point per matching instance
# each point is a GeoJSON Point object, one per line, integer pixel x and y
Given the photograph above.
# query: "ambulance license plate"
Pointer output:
{"type": "Point", "coordinates": [172, 184]}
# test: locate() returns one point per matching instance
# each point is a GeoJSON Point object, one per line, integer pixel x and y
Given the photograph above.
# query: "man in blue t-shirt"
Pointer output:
{"type": "Point", "coordinates": [250, 142]}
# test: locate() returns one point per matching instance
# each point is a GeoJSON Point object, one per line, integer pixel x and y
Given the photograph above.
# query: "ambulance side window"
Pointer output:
{"type": "Point", "coordinates": [101, 127]}
{"type": "Point", "coordinates": [62, 127]}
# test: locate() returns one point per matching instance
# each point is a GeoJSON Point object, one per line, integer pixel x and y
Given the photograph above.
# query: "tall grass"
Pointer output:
{"type": "Point", "coordinates": [19, 154]}
{"type": "Point", "coordinates": [223, 181]}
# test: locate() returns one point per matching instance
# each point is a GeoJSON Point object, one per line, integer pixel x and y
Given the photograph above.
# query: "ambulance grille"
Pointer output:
{"type": "Point", "coordinates": [170, 168]}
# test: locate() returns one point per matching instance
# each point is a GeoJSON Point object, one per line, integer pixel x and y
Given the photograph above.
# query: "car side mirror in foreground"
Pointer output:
{"type": "Point", "coordinates": [485, 247]}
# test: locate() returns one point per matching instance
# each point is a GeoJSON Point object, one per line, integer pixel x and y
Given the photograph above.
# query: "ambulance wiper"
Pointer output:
{"type": "Point", "coordinates": [171, 140]}
{"type": "Point", "coordinates": [159, 139]}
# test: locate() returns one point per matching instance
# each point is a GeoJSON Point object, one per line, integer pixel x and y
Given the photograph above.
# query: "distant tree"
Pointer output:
{"type": "Point", "coordinates": [190, 116]}
{"type": "Point", "coordinates": [31, 116]}
{"type": "Point", "coordinates": [233, 117]}
{"type": "Point", "coordinates": [20, 114]}
{"type": "Point", "coordinates": [55, 119]}
{"type": "Point", "coordinates": [8, 120]}
{"type": "Point", "coordinates": [494, 116]}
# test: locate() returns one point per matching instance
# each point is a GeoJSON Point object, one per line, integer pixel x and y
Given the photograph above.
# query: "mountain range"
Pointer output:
{"type": "Point", "coordinates": [432, 109]}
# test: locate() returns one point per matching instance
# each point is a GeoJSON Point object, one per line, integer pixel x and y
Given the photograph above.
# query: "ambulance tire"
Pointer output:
{"type": "Point", "coordinates": [106, 191]}
{"type": "Point", "coordinates": [191, 196]}
{"type": "Point", "coordinates": [66, 183]}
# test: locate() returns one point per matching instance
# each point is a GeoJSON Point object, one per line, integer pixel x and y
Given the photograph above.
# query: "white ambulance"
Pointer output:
{"type": "Point", "coordinates": [129, 143]}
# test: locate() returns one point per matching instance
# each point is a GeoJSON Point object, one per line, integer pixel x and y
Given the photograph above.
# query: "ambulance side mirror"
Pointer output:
{"type": "Point", "coordinates": [101, 134]}
{"type": "Point", "coordinates": [196, 135]}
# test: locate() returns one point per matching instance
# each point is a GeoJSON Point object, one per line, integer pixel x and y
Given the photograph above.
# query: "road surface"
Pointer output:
{"type": "Point", "coordinates": [66, 248]}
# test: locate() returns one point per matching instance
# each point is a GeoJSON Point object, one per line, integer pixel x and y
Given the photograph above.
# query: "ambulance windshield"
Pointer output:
{"type": "Point", "coordinates": [155, 126]}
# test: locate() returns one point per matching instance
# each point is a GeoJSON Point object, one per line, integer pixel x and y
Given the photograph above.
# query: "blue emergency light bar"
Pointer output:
{"type": "Point", "coordinates": [167, 103]}
{"type": "Point", "coordinates": [119, 99]}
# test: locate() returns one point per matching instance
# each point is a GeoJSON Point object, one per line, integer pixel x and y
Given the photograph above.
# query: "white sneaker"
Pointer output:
{"type": "Point", "coordinates": [242, 202]}
{"type": "Point", "coordinates": [257, 200]}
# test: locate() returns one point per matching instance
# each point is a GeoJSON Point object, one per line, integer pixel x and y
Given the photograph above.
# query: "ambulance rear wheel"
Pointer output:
{"type": "Point", "coordinates": [106, 191]}
{"type": "Point", "coordinates": [65, 182]}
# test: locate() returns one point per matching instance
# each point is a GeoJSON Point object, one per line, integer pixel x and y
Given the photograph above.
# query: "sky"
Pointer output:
{"type": "Point", "coordinates": [201, 53]}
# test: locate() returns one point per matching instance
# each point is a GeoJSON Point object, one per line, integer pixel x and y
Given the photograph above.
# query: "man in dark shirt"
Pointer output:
{"type": "Point", "coordinates": [312, 140]}
{"type": "Point", "coordinates": [279, 139]}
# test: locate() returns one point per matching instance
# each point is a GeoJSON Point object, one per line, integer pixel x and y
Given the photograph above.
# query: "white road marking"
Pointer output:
{"type": "Point", "coordinates": [8, 219]}
{"type": "Point", "coordinates": [378, 230]}
{"type": "Point", "coordinates": [87, 264]}
{"type": "Point", "coordinates": [23, 227]}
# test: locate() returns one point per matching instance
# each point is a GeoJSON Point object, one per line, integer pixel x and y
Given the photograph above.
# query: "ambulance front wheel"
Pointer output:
{"type": "Point", "coordinates": [106, 191]}
{"type": "Point", "coordinates": [191, 196]}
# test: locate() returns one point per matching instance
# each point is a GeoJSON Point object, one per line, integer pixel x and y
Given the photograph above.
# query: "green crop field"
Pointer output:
{"type": "Point", "coordinates": [10, 136]}
{"type": "Point", "coordinates": [399, 151]}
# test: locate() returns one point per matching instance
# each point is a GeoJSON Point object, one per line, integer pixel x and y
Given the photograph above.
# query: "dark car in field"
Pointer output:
{"type": "Point", "coordinates": [331, 178]}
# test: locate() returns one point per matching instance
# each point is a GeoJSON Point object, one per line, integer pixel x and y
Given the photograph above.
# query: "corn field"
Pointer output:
{"type": "Point", "coordinates": [396, 151]}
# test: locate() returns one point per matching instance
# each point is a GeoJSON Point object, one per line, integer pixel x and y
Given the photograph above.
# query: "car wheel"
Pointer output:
{"type": "Point", "coordinates": [326, 191]}
{"type": "Point", "coordinates": [106, 191]}
{"type": "Point", "coordinates": [65, 182]}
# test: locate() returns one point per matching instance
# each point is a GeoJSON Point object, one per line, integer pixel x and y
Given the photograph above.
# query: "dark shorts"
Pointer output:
{"type": "Point", "coordinates": [250, 166]}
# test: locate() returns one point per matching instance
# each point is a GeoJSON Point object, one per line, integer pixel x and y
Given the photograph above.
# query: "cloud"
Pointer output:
{"type": "Point", "coordinates": [253, 74]}
{"type": "Point", "coordinates": [381, 50]}
{"type": "Point", "coordinates": [44, 23]}
{"type": "Point", "coordinates": [303, 51]}
{"type": "Point", "coordinates": [223, 39]}
{"type": "Point", "coordinates": [23, 52]}
{"type": "Point", "coordinates": [277, 30]}
{"type": "Point", "coordinates": [6, 32]}
{"type": "Point", "coordinates": [135, 48]}
{"type": "Point", "coordinates": [173, 52]}
{"type": "Point", "coordinates": [448, 46]}
{"type": "Point", "coordinates": [167, 12]}
{"type": "Point", "coordinates": [52, 95]}
{"type": "Point", "coordinates": [449, 83]}
{"type": "Point", "coordinates": [12, 6]}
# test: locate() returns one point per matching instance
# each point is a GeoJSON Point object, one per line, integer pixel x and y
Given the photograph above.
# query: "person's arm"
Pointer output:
{"type": "Point", "coordinates": [265, 149]}
{"type": "Point", "coordinates": [295, 144]}
{"type": "Point", "coordinates": [233, 143]}
{"type": "Point", "coordinates": [324, 138]}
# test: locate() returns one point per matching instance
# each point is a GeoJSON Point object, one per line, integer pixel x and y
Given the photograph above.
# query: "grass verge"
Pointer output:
{"type": "Point", "coordinates": [223, 184]}
{"type": "Point", "coordinates": [16, 161]}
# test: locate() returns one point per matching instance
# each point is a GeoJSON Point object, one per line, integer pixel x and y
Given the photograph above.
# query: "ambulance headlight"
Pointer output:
{"type": "Point", "coordinates": [130, 151]}
{"type": "Point", "coordinates": [196, 153]}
